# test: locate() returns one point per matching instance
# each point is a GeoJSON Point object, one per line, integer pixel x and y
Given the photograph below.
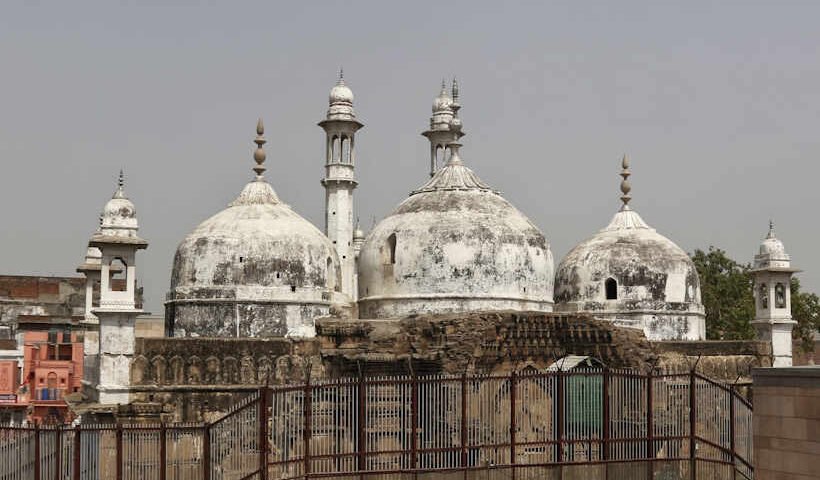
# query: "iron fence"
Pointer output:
{"type": "Point", "coordinates": [620, 423]}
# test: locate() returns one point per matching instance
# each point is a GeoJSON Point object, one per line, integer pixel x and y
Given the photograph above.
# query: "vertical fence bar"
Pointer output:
{"type": "Point", "coordinates": [693, 472]}
{"type": "Point", "coordinates": [306, 431]}
{"type": "Point", "coordinates": [464, 423]}
{"type": "Point", "coordinates": [119, 452]}
{"type": "Point", "coordinates": [361, 423]}
{"type": "Point", "coordinates": [559, 421]}
{"type": "Point", "coordinates": [58, 451]}
{"type": "Point", "coordinates": [163, 451]}
{"type": "Point", "coordinates": [414, 421]}
{"type": "Point", "coordinates": [264, 392]}
{"type": "Point", "coordinates": [607, 413]}
{"type": "Point", "coordinates": [732, 430]}
{"type": "Point", "coordinates": [77, 444]}
{"type": "Point", "coordinates": [650, 428]}
{"type": "Point", "coordinates": [206, 452]}
{"type": "Point", "coordinates": [513, 388]}
{"type": "Point", "coordinates": [37, 451]}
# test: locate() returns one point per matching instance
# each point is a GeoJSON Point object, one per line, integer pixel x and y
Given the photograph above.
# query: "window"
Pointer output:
{"type": "Point", "coordinates": [391, 246]}
{"type": "Point", "coordinates": [780, 296]}
{"type": "Point", "coordinates": [764, 296]}
{"type": "Point", "coordinates": [611, 287]}
{"type": "Point", "coordinates": [117, 275]}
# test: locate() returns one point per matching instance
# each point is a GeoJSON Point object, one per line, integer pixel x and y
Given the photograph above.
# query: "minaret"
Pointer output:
{"type": "Point", "coordinates": [340, 127]}
{"type": "Point", "coordinates": [445, 126]}
{"type": "Point", "coordinates": [118, 243]}
{"type": "Point", "coordinates": [772, 291]}
{"type": "Point", "coordinates": [91, 268]}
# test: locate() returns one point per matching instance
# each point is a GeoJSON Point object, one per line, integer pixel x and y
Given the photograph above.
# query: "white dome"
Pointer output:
{"type": "Point", "coordinates": [340, 93]}
{"type": "Point", "coordinates": [454, 245]}
{"type": "Point", "coordinates": [630, 271]}
{"type": "Point", "coordinates": [772, 246]}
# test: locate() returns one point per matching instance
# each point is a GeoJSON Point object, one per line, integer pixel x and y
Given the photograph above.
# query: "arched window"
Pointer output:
{"type": "Point", "coordinates": [611, 287]}
{"type": "Point", "coordinates": [345, 154]}
{"type": "Point", "coordinates": [780, 296]}
{"type": "Point", "coordinates": [336, 151]}
{"type": "Point", "coordinates": [117, 275]}
{"type": "Point", "coordinates": [764, 295]}
{"type": "Point", "coordinates": [391, 246]}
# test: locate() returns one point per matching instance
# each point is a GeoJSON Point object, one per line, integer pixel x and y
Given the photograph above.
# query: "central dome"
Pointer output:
{"type": "Point", "coordinates": [454, 245]}
{"type": "Point", "coordinates": [256, 268]}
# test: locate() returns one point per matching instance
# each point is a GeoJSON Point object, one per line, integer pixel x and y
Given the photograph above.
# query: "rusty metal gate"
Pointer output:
{"type": "Point", "coordinates": [521, 425]}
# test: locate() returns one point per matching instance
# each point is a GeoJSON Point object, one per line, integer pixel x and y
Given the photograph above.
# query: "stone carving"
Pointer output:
{"type": "Point", "coordinates": [212, 370]}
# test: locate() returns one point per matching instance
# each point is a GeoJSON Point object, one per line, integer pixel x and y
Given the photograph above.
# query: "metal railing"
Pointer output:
{"type": "Point", "coordinates": [620, 421]}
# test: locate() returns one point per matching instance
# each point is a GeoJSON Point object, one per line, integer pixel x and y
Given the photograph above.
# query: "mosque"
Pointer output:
{"type": "Point", "coordinates": [454, 245]}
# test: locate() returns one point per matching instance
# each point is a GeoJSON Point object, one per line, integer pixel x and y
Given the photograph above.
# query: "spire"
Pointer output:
{"type": "Point", "coordinates": [625, 187]}
{"type": "Point", "coordinates": [341, 80]}
{"type": "Point", "coordinates": [771, 230]}
{"type": "Point", "coordinates": [443, 92]}
{"type": "Point", "coordinates": [120, 192]}
{"type": "Point", "coordinates": [455, 90]}
{"type": "Point", "coordinates": [259, 155]}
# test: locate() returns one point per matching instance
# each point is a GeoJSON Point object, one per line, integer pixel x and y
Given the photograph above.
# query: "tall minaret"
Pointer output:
{"type": "Point", "coordinates": [772, 291]}
{"type": "Point", "coordinates": [117, 312]}
{"type": "Point", "coordinates": [445, 126]}
{"type": "Point", "coordinates": [340, 127]}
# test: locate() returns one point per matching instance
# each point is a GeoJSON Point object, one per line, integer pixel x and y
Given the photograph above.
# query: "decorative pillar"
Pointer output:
{"type": "Point", "coordinates": [772, 291]}
{"type": "Point", "coordinates": [117, 312]}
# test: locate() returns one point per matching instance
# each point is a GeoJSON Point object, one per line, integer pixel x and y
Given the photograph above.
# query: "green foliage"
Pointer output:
{"type": "Point", "coordinates": [806, 310]}
{"type": "Point", "coordinates": [726, 293]}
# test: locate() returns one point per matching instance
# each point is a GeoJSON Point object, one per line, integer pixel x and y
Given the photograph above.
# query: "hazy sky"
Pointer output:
{"type": "Point", "coordinates": [717, 104]}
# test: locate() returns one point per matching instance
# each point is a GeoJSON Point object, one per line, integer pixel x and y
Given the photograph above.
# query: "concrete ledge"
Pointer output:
{"type": "Point", "coordinates": [806, 376]}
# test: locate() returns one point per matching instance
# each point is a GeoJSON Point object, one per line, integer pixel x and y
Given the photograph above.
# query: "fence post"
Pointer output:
{"type": "Point", "coordinates": [693, 466]}
{"type": "Point", "coordinates": [513, 388]}
{"type": "Point", "coordinates": [650, 427]}
{"type": "Point", "coordinates": [414, 422]}
{"type": "Point", "coordinates": [37, 451]}
{"type": "Point", "coordinates": [264, 394]}
{"type": "Point", "coordinates": [306, 431]}
{"type": "Point", "coordinates": [163, 451]}
{"type": "Point", "coordinates": [464, 423]}
{"type": "Point", "coordinates": [361, 423]}
{"type": "Point", "coordinates": [206, 452]}
{"type": "Point", "coordinates": [77, 452]}
{"type": "Point", "coordinates": [605, 405]}
{"type": "Point", "coordinates": [58, 452]}
{"type": "Point", "coordinates": [732, 429]}
{"type": "Point", "coordinates": [559, 427]}
{"type": "Point", "coordinates": [119, 452]}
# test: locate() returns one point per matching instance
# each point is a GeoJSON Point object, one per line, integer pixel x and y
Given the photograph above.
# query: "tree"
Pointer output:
{"type": "Point", "coordinates": [726, 293]}
{"type": "Point", "coordinates": [806, 310]}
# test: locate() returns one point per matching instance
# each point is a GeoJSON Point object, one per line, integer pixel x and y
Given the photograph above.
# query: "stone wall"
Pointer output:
{"type": "Point", "coordinates": [200, 377]}
{"type": "Point", "coordinates": [787, 423]}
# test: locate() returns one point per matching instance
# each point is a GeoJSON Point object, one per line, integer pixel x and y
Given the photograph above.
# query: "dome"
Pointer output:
{"type": "Point", "coordinates": [443, 101]}
{"type": "Point", "coordinates": [256, 268]}
{"type": "Point", "coordinates": [772, 246]}
{"type": "Point", "coordinates": [119, 215]}
{"type": "Point", "coordinates": [341, 93]}
{"type": "Point", "coordinates": [454, 245]}
{"type": "Point", "coordinates": [634, 276]}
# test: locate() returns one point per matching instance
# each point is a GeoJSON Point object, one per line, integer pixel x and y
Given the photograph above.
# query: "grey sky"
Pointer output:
{"type": "Point", "coordinates": [717, 104]}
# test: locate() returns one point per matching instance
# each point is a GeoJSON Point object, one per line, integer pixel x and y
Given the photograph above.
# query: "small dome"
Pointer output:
{"type": "Point", "coordinates": [119, 215]}
{"type": "Point", "coordinates": [772, 246]}
{"type": "Point", "coordinates": [454, 245]}
{"type": "Point", "coordinates": [358, 234]}
{"type": "Point", "coordinates": [341, 93]}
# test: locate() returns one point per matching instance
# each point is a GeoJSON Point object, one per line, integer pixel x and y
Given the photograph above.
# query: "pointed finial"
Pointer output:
{"type": "Point", "coordinates": [771, 229]}
{"type": "Point", "coordinates": [455, 89]}
{"type": "Point", "coordinates": [625, 187]}
{"type": "Point", "coordinates": [259, 155]}
{"type": "Point", "coordinates": [341, 80]}
{"type": "Point", "coordinates": [443, 87]}
{"type": "Point", "coordinates": [121, 181]}
{"type": "Point", "coordinates": [120, 192]}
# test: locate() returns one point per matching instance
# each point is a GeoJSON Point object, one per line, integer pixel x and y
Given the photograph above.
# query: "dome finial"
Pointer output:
{"type": "Point", "coordinates": [625, 187]}
{"type": "Point", "coordinates": [341, 80]}
{"type": "Point", "coordinates": [771, 229]}
{"type": "Point", "coordinates": [120, 192]}
{"type": "Point", "coordinates": [259, 155]}
{"type": "Point", "coordinates": [455, 159]}
{"type": "Point", "coordinates": [455, 90]}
